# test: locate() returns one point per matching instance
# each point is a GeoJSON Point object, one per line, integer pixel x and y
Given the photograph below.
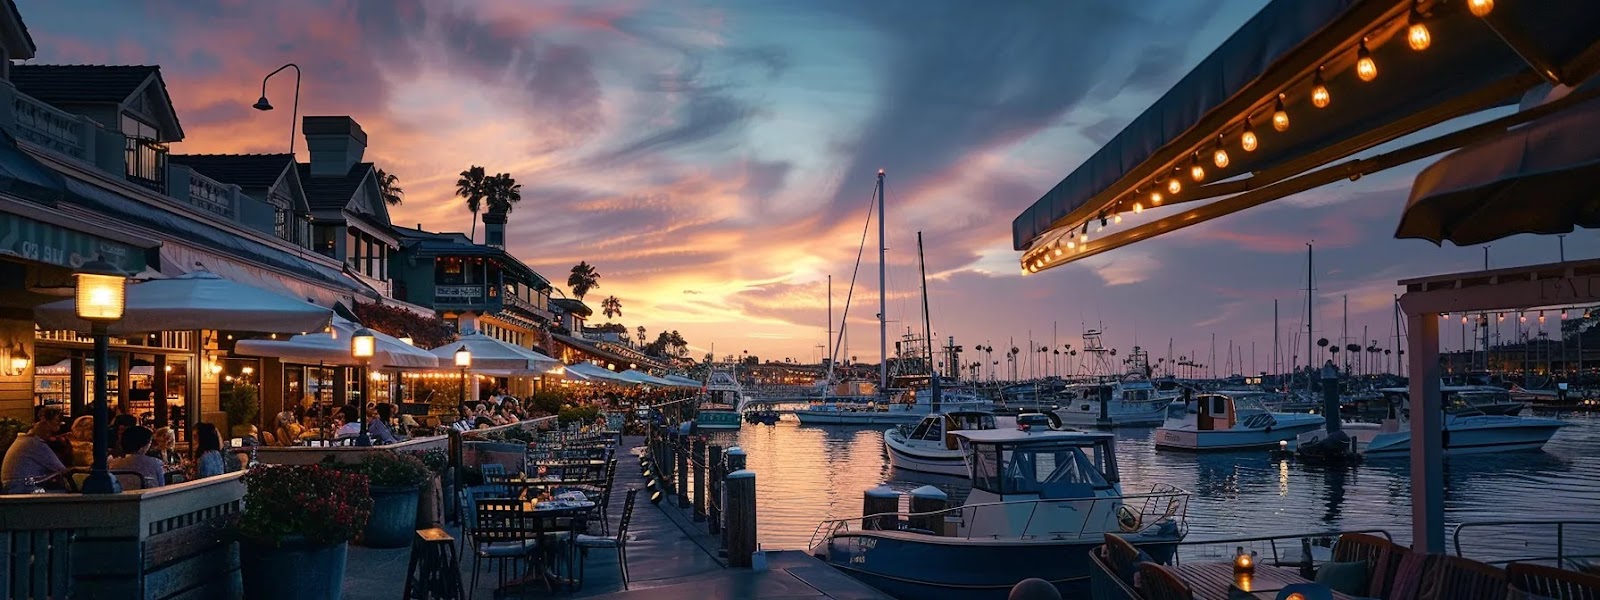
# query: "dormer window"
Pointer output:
{"type": "Point", "coordinates": [137, 128]}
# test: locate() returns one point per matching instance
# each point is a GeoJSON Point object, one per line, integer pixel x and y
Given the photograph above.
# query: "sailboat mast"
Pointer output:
{"type": "Point", "coordinates": [927, 323]}
{"type": "Point", "coordinates": [883, 296]}
{"type": "Point", "coordinates": [1276, 366]}
{"type": "Point", "coordinates": [1311, 292]}
{"type": "Point", "coordinates": [830, 330]}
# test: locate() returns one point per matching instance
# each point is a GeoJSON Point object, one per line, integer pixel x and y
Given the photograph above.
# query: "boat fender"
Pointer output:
{"type": "Point", "coordinates": [1055, 420]}
{"type": "Point", "coordinates": [1127, 520]}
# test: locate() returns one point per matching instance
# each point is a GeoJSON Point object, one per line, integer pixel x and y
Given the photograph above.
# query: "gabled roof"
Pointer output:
{"type": "Point", "coordinates": [332, 193]}
{"type": "Point", "coordinates": [68, 85]}
{"type": "Point", "coordinates": [572, 306]}
{"type": "Point", "coordinates": [16, 32]}
{"type": "Point", "coordinates": [429, 244]}
{"type": "Point", "coordinates": [248, 171]}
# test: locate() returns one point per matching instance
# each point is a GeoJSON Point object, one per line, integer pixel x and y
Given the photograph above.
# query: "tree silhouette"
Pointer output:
{"type": "Point", "coordinates": [584, 277]}
{"type": "Point", "coordinates": [474, 187]}
{"type": "Point", "coordinates": [389, 188]}
{"type": "Point", "coordinates": [611, 306]}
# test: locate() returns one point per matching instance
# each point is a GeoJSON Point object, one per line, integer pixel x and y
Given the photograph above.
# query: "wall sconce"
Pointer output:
{"type": "Point", "coordinates": [215, 367]}
{"type": "Point", "coordinates": [15, 361]}
{"type": "Point", "coordinates": [248, 370]}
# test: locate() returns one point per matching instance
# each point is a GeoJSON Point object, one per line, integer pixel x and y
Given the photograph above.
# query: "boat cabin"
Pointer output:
{"type": "Point", "coordinates": [1214, 412]}
{"type": "Point", "coordinates": [942, 426]}
{"type": "Point", "coordinates": [1039, 484]}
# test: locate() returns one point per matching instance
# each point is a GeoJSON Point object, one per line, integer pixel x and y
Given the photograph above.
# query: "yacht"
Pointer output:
{"type": "Point", "coordinates": [1131, 401]}
{"type": "Point", "coordinates": [722, 401]}
{"type": "Point", "coordinates": [909, 408]}
{"type": "Point", "coordinates": [1232, 422]}
{"type": "Point", "coordinates": [1465, 431]}
{"type": "Point", "coordinates": [1040, 501]}
{"type": "Point", "coordinates": [930, 446]}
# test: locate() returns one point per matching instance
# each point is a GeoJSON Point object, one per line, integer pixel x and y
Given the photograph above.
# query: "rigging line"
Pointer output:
{"type": "Point", "coordinates": [860, 251]}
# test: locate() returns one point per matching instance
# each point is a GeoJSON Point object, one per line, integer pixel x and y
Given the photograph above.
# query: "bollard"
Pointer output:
{"type": "Point", "coordinates": [880, 500]}
{"type": "Point", "coordinates": [928, 499]}
{"type": "Point", "coordinates": [741, 486]}
{"type": "Point", "coordinates": [683, 471]}
{"type": "Point", "coordinates": [714, 507]}
{"type": "Point", "coordinates": [668, 461]}
{"type": "Point", "coordinates": [699, 479]}
{"type": "Point", "coordinates": [736, 459]}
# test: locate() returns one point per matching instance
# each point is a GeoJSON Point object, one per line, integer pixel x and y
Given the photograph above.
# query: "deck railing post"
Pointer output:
{"type": "Point", "coordinates": [714, 477]}
{"type": "Point", "coordinates": [741, 486]}
{"type": "Point", "coordinates": [699, 478]}
{"type": "Point", "coordinates": [683, 471]}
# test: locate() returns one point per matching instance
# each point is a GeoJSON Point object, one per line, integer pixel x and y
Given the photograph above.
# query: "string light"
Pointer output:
{"type": "Point", "coordinates": [1173, 185]}
{"type": "Point", "coordinates": [1155, 200]}
{"type": "Point", "coordinates": [1117, 218]}
{"type": "Point", "coordinates": [1137, 208]}
{"type": "Point", "coordinates": [1417, 33]}
{"type": "Point", "coordinates": [1319, 91]}
{"type": "Point", "coordinates": [1083, 237]}
{"type": "Point", "coordinates": [1248, 140]}
{"type": "Point", "coordinates": [1463, 319]}
{"type": "Point", "coordinates": [1563, 314]}
{"type": "Point", "coordinates": [1541, 317]}
{"type": "Point", "coordinates": [1523, 318]}
{"type": "Point", "coordinates": [1220, 157]}
{"type": "Point", "coordinates": [1197, 172]}
{"type": "Point", "coordinates": [1058, 250]}
{"type": "Point", "coordinates": [1280, 117]}
{"type": "Point", "coordinates": [1366, 69]}
{"type": "Point", "coordinates": [1480, 8]}
{"type": "Point", "coordinates": [1071, 244]}
{"type": "Point", "coordinates": [1502, 317]}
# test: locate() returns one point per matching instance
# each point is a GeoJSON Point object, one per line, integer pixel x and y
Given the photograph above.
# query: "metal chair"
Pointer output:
{"type": "Point", "coordinates": [500, 533]}
{"type": "Point", "coordinates": [495, 470]}
{"type": "Point", "coordinates": [620, 542]}
{"type": "Point", "coordinates": [1553, 582]}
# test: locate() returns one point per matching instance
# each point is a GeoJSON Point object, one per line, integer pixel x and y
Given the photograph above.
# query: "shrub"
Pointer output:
{"type": "Point", "coordinates": [388, 469]}
{"type": "Point", "coordinates": [325, 506]}
{"type": "Point", "coordinates": [241, 405]}
{"type": "Point", "coordinates": [577, 414]}
{"type": "Point", "coordinates": [436, 458]}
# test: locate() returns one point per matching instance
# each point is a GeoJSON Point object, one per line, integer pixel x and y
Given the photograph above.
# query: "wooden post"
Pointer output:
{"type": "Point", "coordinates": [928, 499]}
{"type": "Point", "coordinates": [699, 478]}
{"type": "Point", "coordinates": [741, 517]}
{"type": "Point", "coordinates": [683, 471]}
{"type": "Point", "coordinates": [664, 468]}
{"type": "Point", "coordinates": [736, 459]}
{"type": "Point", "coordinates": [452, 483]}
{"type": "Point", "coordinates": [878, 501]}
{"type": "Point", "coordinates": [714, 507]}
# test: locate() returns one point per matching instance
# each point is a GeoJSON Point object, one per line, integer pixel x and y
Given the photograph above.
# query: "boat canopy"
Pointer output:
{"type": "Point", "coordinates": [1047, 464]}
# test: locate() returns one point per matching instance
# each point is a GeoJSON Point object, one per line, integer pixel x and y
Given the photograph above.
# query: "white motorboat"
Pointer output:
{"type": "Point", "coordinates": [1132, 401]}
{"type": "Point", "coordinates": [930, 446]}
{"type": "Point", "coordinates": [1227, 422]}
{"type": "Point", "coordinates": [722, 401]}
{"type": "Point", "coordinates": [881, 413]}
{"type": "Point", "coordinates": [1040, 500]}
{"type": "Point", "coordinates": [1463, 433]}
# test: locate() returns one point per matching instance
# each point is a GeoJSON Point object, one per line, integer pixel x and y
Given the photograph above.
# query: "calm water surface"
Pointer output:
{"type": "Point", "coordinates": [808, 473]}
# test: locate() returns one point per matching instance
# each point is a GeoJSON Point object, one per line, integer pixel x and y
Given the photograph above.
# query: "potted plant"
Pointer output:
{"type": "Point", "coordinates": [395, 481]}
{"type": "Point", "coordinates": [295, 528]}
{"type": "Point", "coordinates": [241, 405]}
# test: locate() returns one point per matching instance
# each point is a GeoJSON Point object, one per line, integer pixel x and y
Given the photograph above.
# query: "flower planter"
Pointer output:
{"type": "Point", "coordinates": [394, 517]}
{"type": "Point", "coordinates": [296, 569]}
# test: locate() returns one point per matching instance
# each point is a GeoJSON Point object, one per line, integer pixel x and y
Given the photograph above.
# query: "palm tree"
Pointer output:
{"type": "Point", "coordinates": [612, 307]}
{"type": "Point", "coordinates": [640, 332]}
{"type": "Point", "coordinates": [502, 193]}
{"type": "Point", "coordinates": [584, 277]}
{"type": "Point", "coordinates": [389, 188]}
{"type": "Point", "coordinates": [474, 187]}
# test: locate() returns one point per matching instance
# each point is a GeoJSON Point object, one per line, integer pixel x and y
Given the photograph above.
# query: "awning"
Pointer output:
{"type": "Point", "coordinates": [177, 259]}
{"type": "Point", "coordinates": [683, 381]}
{"type": "Point", "coordinates": [334, 349]}
{"type": "Point", "coordinates": [1472, 64]}
{"type": "Point", "coordinates": [648, 379]}
{"type": "Point", "coordinates": [492, 354]}
{"type": "Point", "coordinates": [199, 300]}
{"type": "Point", "coordinates": [24, 176]}
{"type": "Point", "coordinates": [1539, 178]}
{"type": "Point", "coordinates": [32, 232]}
{"type": "Point", "coordinates": [592, 373]}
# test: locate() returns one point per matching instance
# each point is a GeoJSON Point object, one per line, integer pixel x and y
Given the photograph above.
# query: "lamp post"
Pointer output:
{"type": "Point", "coordinates": [362, 346]}
{"type": "Point", "coordinates": [464, 362]}
{"type": "Point", "coordinates": [294, 117]}
{"type": "Point", "coordinates": [102, 296]}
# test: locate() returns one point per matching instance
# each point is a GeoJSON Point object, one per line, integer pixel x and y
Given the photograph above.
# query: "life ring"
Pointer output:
{"type": "Point", "coordinates": [1055, 420]}
{"type": "Point", "coordinates": [1127, 520]}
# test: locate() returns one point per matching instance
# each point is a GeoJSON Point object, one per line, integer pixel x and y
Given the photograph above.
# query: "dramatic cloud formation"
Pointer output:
{"type": "Point", "coordinates": [714, 159]}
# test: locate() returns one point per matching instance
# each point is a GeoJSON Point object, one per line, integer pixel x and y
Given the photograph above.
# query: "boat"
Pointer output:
{"type": "Point", "coordinates": [930, 446]}
{"type": "Point", "coordinates": [1220, 423]}
{"type": "Point", "coordinates": [765, 416]}
{"type": "Point", "coordinates": [1464, 432]}
{"type": "Point", "coordinates": [1131, 401]}
{"type": "Point", "coordinates": [722, 399]}
{"type": "Point", "coordinates": [1040, 501]}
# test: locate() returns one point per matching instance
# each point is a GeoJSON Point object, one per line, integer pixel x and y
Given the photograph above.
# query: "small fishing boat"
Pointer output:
{"type": "Point", "coordinates": [930, 446]}
{"type": "Point", "coordinates": [1131, 401]}
{"type": "Point", "coordinates": [1464, 432]}
{"type": "Point", "coordinates": [764, 416]}
{"type": "Point", "coordinates": [721, 399]}
{"type": "Point", "coordinates": [1040, 501]}
{"type": "Point", "coordinates": [1229, 422]}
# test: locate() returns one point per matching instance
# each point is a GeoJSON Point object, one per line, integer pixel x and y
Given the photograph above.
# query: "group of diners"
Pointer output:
{"type": "Point", "coordinates": [55, 456]}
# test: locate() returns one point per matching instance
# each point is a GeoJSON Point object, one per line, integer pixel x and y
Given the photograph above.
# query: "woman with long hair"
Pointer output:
{"type": "Point", "coordinates": [207, 453]}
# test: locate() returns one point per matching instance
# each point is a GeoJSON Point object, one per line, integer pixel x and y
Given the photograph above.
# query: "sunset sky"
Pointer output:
{"type": "Point", "coordinates": [713, 159]}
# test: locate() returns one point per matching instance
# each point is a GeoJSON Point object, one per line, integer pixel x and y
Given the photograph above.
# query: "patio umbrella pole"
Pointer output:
{"type": "Point", "coordinates": [100, 480]}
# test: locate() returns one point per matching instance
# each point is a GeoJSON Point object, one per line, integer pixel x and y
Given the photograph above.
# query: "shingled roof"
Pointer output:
{"type": "Point", "coordinates": [324, 192]}
{"type": "Point", "coordinates": [68, 85]}
{"type": "Point", "coordinates": [248, 171]}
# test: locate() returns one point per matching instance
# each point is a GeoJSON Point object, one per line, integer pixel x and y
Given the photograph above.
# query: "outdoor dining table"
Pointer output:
{"type": "Point", "coordinates": [1214, 581]}
{"type": "Point", "coordinates": [539, 514]}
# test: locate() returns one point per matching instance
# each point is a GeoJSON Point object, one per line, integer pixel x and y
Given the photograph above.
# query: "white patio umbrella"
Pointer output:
{"type": "Point", "coordinates": [490, 354]}
{"type": "Point", "coordinates": [334, 349]}
{"type": "Point", "coordinates": [198, 300]}
{"type": "Point", "coordinates": [597, 373]}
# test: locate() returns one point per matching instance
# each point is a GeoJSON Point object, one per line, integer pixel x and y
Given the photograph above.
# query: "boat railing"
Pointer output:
{"type": "Point", "coordinates": [1164, 503]}
{"type": "Point", "coordinates": [1560, 555]}
{"type": "Point", "coordinates": [1304, 550]}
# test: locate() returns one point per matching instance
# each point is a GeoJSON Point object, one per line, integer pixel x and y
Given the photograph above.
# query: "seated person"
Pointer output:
{"type": "Point", "coordinates": [135, 443]}
{"type": "Point", "coordinates": [29, 458]}
{"type": "Point", "coordinates": [378, 424]}
{"type": "Point", "coordinates": [207, 454]}
{"type": "Point", "coordinates": [351, 422]}
{"type": "Point", "coordinates": [119, 424]}
{"type": "Point", "coordinates": [163, 447]}
{"type": "Point", "coordinates": [82, 437]}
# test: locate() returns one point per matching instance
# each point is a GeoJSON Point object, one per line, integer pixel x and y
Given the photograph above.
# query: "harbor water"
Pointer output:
{"type": "Point", "coordinates": [807, 474]}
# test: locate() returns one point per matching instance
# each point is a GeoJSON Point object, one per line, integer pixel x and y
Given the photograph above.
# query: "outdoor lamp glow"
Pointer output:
{"type": "Point", "coordinates": [19, 361]}
{"type": "Point", "coordinates": [1244, 563]}
{"type": "Point", "coordinates": [363, 345]}
{"type": "Point", "coordinates": [1416, 32]}
{"type": "Point", "coordinates": [102, 291]}
{"type": "Point", "coordinates": [1319, 91]}
{"type": "Point", "coordinates": [1480, 8]}
{"type": "Point", "coordinates": [1366, 68]}
{"type": "Point", "coordinates": [463, 357]}
{"type": "Point", "coordinates": [1248, 140]}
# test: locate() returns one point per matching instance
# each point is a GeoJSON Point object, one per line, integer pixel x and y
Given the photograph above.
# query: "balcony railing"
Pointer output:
{"type": "Point", "coordinates": [210, 195]}
{"type": "Point", "coordinates": [50, 127]}
{"type": "Point", "coordinates": [147, 164]}
{"type": "Point", "coordinates": [459, 294]}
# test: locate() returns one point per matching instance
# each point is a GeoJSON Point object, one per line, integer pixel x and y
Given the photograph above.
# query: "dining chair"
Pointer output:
{"type": "Point", "coordinates": [619, 542]}
{"type": "Point", "coordinates": [1160, 583]}
{"type": "Point", "coordinates": [1121, 556]}
{"type": "Point", "coordinates": [1537, 580]}
{"type": "Point", "coordinates": [605, 498]}
{"type": "Point", "coordinates": [494, 470]}
{"type": "Point", "coordinates": [499, 533]}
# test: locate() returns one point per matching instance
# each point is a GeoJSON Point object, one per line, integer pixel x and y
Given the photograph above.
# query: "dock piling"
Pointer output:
{"type": "Point", "coordinates": [741, 515]}
{"type": "Point", "coordinates": [928, 499]}
{"type": "Point", "coordinates": [699, 449]}
{"type": "Point", "coordinates": [881, 500]}
{"type": "Point", "coordinates": [714, 507]}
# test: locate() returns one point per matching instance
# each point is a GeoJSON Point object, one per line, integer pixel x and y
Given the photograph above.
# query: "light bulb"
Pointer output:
{"type": "Point", "coordinates": [1248, 141]}
{"type": "Point", "coordinates": [1155, 199]}
{"type": "Point", "coordinates": [1280, 117]}
{"type": "Point", "coordinates": [1083, 237]}
{"type": "Point", "coordinates": [1366, 69]}
{"type": "Point", "coordinates": [1058, 251]}
{"type": "Point", "coordinates": [1417, 33]}
{"type": "Point", "coordinates": [1071, 244]}
{"type": "Point", "coordinates": [1319, 91]}
{"type": "Point", "coordinates": [1197, 172]}
{"type": "Point", "coordinates": [1220, 157]}
{"type": "Point", "coordinates": [1117, 219]}
{"type": "Point", "coordinates": [1480, 8]}
{"type": "Point", "coordinates": [1173, 185]}
{"type": "Point", "coordinates": [1138, 208]}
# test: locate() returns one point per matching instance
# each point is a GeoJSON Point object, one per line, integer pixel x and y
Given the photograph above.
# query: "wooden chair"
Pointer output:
{"type": "Point", "coordinates": [1380, 554]}
{"type": "Point", "coordinates": [1552, 582]}
{"type": "Point", "coordinates": [620, 542]}
{"type": "Point", "coordinates": [1121, 556]}
{"type": "Point", "coordinates": [1160, 583]}
{"type": "Point", "coordinates": [1458, 578]}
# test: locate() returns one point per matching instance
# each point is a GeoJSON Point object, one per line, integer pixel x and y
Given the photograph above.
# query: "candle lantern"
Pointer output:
{"type": "Point", "coordinates": [1244, 563]}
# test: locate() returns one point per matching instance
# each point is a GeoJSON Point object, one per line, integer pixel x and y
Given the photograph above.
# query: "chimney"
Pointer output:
{"type": "Point", "coordinates": [335, 143]}
{"type": "Point", "coordinates": [494, 229]}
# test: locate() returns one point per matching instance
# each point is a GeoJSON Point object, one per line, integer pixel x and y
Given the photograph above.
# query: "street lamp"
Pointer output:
{"type": "Point", "coordinates": [263, 105]}
{"type": "Point", "coordinates": [464, 362]}
{"type": "Point", "coordinates": [102, 296]}
{"type": "Point", "coordinates": [362, 346]}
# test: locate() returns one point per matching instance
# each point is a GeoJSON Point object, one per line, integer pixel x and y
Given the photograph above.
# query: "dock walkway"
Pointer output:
{"type": "Point", "coordinates": [669, 557]}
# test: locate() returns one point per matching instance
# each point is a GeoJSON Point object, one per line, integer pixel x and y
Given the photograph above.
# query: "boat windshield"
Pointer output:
{"type": "Point", "coordinates": [973, 421]}
{"type": "Point", "coordinates": [1053, 471]}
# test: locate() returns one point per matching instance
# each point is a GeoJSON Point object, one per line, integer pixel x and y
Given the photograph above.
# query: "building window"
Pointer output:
{"type": "Point", "coordinates": [324, 239]}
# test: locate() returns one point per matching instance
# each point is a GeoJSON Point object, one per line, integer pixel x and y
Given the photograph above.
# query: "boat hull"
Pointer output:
{"type": "Point", "coordinates": [1191, 440]}
{"type": "Point", "coordinates": [1150, 414]}
{"type": "Point", "coordinates": [898, 563]}
{"type": "Point", "coordinates": [1479, 435]}
{"type": "Point", "coordinates": [857, 417]}
{"type": "Point", "coordinates": [923, 460]}
{"type": "Point", "coordinates": [717, 420]}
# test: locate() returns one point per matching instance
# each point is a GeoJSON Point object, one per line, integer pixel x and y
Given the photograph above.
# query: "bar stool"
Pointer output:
{"type": "Point", "coordinates": [434, 571]}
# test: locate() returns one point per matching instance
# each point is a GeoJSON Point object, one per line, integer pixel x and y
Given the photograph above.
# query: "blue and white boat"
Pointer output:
{"type": "Point", "coordinates": [722, 400]}
{"type": "Point", "coordinates": [1040, 500]}
{"type": "Point", "coordinates": [931, 446]}
{"type": "Point", "coordinates": [1222, 422]}
{"type": "Point", "coordinates": [1129, 401]}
